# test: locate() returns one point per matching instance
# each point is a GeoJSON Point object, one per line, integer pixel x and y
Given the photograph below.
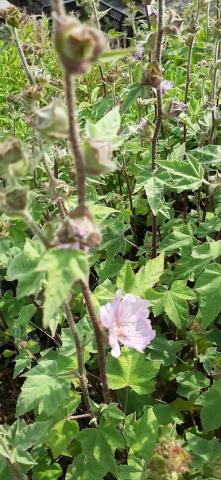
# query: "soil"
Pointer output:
{"type": "Point", "coordinates": [9, 392]}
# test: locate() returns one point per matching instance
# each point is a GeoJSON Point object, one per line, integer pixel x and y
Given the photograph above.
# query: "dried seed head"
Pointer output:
{"type": "Point", "coordinates": [97, 156]}
{"type": "Point", "coordinates": [78, 45]}
{"type": "Point", "coordinates": [13, 160]}
{"type": "Point", "coordinates": [173, 109]}
{"type": "Point", "coordinates": [193, 26]}
{"type": "Point", "coordinates": [78, 230]}
{"type": "Point", "coordinates": [152, 75]}
{"type": "Point", "coordinates": [51, 121]}
{"type": "Point", "coordinates": [173, 25]}
{"type": "Point", "coordinates": [13, 201]}
{"type": "Point", "coordinates": [12, 16]}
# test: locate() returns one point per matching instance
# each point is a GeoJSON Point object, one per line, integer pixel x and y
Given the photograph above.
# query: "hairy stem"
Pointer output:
{"type": "Point", "coordinates": [214, 92]}
{"type": "Point", "coordinates": [22, 58]}
{"type": "Point", "coordinates": [80, 356]}
{"type": "Point", "coordinates": [58, 7]}
{"type": "Point", "coordinates": [99, 341]}
{"type": "Point", "coordinates": [188, 69]}
{"type": "Point", "coordinates": [74, 139]}
{"type": "Point", "coordinates": [158, 118]}
{"type": "Point", "coordinates": [98, 27]}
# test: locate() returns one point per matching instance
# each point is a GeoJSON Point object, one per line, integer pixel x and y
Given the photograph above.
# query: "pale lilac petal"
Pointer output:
{"type": "Point", "coordinates": [115, 347]}
{"type": "Point", "coordinates": [108, 312]}
{"type": "Point", "coordinates": [128, 323]}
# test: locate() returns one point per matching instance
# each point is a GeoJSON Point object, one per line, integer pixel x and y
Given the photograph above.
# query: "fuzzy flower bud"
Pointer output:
{"type": "Point", "coordinates": [78, 230]}
{"type": "Point", "coordinates": [173, 25]}
{"type": "Point", "coordinates": [173, 109]}
{"type": "Point", "coordinates": [97, 156]}
{"type": "Point", "coordinates": [193, 26]}
{"type": "Point", "coordinates": [78, 45]}
{"type": "Point", "coordinates": [52, 121]}
{"type": "Point", "coordinates": [13, 160]}
{"type": "Point", "coordinates": [152, 75]}
{"type": "Point", "coordinates": [12, 16]}
{"type": "Point", "coordinates": [13, 201]}
{"type": "Point", "coordinates": [127, 321]}
{"type": "Point", "coordinates": [170, 460]}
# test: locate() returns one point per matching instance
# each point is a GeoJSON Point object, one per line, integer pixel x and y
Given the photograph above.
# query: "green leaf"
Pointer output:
{"type": "Point", "coordinates": [131, 369]}
{"type": "Point", "coordinates": [43, 389]}
{"type": "Point", "coordinates": [43, 471]}
{"type": "Point", "coordinates": [203, 452]}
{"type": "Point", "coordinates": [63, 267]}
{"type": "Point", "coordinates": [208, 287]}
{"type": "Point", "coordinates": [211, 411]}
{"type": "Point", "coordinates": [136, 90]}
{"type": "Point", "coordinates": [167, 414]}
{"type": "Point", "coordinates": [61, 435]}
{"type": "Point", "coordinates": [164, 350]}
{"type": "Point", "coordinates": [175, 303]}
{"type": "Point", "coordinates": [208, 155]}
{"type": "Point", "coordinates": [135, 470]}
{"type": "Point", "coordinates": [126, 278]}
{"type": "Point", "coordinates": [23, 268]}
{"type": "Point", "coordinates": [149, 275]}
{"type": "Point", "coordinates": [111, 56]}
{"type": "Point", "coordinates": [191, 384]}
{"type": "Point", "coordinates": [153, 188]}
{"type": "Point", "coordinates": [106, 128]}
{"type": "Point", "coordinates": [146, 432]}
{"type": "Point", "coordinates": [183, 175]}
{"type": "Point", "coordinates": [176, 241]}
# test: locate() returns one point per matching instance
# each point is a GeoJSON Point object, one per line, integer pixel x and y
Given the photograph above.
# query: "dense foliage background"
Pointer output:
{"type": "Point", "coordinates": [157, 204]}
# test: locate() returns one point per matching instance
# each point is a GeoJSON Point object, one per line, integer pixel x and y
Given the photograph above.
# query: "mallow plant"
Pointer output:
{"type": "Point", "coordinates": [110, 245]}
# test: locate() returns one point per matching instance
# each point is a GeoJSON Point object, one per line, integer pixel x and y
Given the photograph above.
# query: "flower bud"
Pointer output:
{"type": "Point", "coordinates": [148, 131]}
{"type": "Point", "coordinates": [12, 16]}
{"type": "Point", "coordinates": [78, 45]}
{"type": "Point", "coordinates": [173, 25]}
{"type": "Point", "coordinates": [52, 121]}
{"type": "Point", "coordinates": [218, 28]}
{"type": "Point", "coordinates": [78, 230]}
{"type": "Point", "coordinates": [193, 26]}
{"type": "Point", "coordinates": [170, 460]}
{"type": "Point", "coordinates": [97, 156]}
{"type": "Point", "coordinates": [152, 75]}
{"type": "Point", "coordinates": [6, 34]}
{"type": "Point", "coordinates": [10, 153]}
{"type": "Point", "coordinates": [32, 94]}
{"type": "Point", "coordinates": [173, 109]}
{"type": "Point", "coordinates": [13, 201]}
{"type": "Point", "coordinates": [151, 41]}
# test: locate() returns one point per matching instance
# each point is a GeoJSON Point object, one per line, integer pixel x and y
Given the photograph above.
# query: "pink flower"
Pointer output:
{"type": "Point", "coordinates": [166, 85]}
{"type": "Point", "coordinates": [127, 320]}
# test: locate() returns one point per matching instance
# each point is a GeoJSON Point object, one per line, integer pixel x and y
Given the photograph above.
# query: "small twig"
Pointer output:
{"type": "Point", "coordinates": [22, 58]}
{"type": "Point", "coordinates": [100, 67]}
{"type": "Point", "coordinates": [80, 356]}
{"type": "Point", "coordinates": [78, 417]}
{"type": "Point", "coordinates": [188, 69]}
{"type": "Point", "coordinates": [36, 230]}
